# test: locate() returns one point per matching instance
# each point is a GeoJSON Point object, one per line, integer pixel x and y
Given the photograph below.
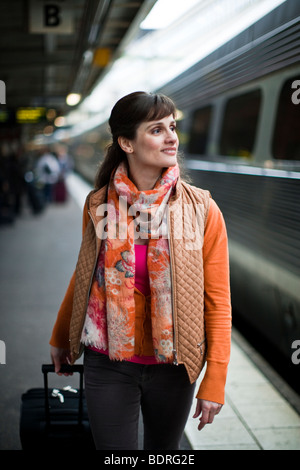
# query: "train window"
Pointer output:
{"type": "Point", "coordinates": [286, 138]}
{"type": "Point", "coordinates": [199, 131]}
{"type": "Point", "coordinates": [240, 124]}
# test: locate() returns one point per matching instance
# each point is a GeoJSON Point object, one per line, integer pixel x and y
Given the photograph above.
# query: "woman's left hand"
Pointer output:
{"type": "Point", "coordinates": [208, 410]}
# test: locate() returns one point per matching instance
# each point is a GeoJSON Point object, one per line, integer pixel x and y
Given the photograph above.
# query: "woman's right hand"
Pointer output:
{"type": "Point", "coordinates": [60, 356]}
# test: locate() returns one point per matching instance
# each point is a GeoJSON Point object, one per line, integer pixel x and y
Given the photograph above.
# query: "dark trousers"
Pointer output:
{"type": "Point", "coordinates": [115, 393]}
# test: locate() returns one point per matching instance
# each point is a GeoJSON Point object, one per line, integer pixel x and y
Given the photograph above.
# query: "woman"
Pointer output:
{"type": "Point", "coordinates": [149, 301]}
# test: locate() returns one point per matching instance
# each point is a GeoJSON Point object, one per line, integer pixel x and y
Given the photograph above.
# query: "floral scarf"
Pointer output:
{"type": "Point", "coordinates": [110, 319]}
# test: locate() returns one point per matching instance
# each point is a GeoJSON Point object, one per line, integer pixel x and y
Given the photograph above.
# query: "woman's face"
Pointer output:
{"type": "Point", "coordinates": [155, 145]}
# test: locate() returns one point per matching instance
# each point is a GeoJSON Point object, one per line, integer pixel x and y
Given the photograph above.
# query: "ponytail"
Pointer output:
{"type": "Point", "coordinates": [114, 156]}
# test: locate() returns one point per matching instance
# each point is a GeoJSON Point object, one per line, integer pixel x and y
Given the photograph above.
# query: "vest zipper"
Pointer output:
{"type": "Point", "coordinates": [199, 345]}
{"type": "Point", "coordinates": [96, 257]}
{"type": "Point", "coordinates": [91, 279]}
{"type": "Point", "coordinates": [175, 357]}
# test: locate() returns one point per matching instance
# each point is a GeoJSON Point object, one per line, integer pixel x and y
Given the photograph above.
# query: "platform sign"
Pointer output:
{"type": "Point", "coordinates": [30, 115]}
{"type": "Point", "coordinates": [102, 57]}
{"type": "Point", "coordinates": [51, 17]}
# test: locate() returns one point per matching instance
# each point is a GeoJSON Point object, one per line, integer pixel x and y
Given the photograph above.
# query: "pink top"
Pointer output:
{"type": "Point", "coordinates": [143, 285]}
{"type": "Point", "coordinates": [141, 269]}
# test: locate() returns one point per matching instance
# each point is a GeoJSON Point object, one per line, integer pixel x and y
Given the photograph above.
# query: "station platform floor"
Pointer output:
{"type": "Point", "coordinates": [38, 254]}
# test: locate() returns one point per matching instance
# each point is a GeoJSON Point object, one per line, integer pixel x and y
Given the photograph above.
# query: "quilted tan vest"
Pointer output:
{"type": "Point", "coordinates": [187, 215]}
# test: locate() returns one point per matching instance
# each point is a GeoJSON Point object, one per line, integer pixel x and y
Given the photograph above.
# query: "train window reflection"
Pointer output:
{"type": "Point", "coordinates": [286, 138]}
{"type": "Point", "coordinates": [240, 124]}
{"type": "Point", "coordinates": [199, 131]}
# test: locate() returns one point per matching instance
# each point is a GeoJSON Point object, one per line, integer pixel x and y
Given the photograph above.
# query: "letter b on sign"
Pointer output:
{"type": "Point", "coordinates": [56, 16]}
{"type": "Point", "coordinates": [51, 15]}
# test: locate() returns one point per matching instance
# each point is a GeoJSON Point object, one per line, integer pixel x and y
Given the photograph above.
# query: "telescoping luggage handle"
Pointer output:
{"type": "Point", "coordinates": [65, 368]}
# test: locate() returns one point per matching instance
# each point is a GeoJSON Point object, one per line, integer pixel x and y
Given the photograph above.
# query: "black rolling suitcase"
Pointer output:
{"type": "Point", "coordinates": [52, 418]}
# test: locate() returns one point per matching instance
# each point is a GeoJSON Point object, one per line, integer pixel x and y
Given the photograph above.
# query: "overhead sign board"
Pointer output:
{"type": "Point", "coordinates": [51, 17]}
{"type": "Point", "coordinates": [30, 115]}
{"type": "Point", "coordinates": [102, 57]}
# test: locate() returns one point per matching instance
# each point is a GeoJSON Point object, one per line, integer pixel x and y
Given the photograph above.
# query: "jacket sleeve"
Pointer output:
{"type": "Point", "coordinates": [217, 310]}
{"type": "Point", "coordinates": [60, 333]}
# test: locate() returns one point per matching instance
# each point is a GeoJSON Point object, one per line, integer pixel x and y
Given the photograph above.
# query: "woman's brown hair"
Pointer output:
{"type": "Point", "coordinates": [126, 116]}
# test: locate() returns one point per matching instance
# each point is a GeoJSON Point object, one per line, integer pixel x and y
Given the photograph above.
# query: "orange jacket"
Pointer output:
{"type": "Point", "coordinates": [213, 278]}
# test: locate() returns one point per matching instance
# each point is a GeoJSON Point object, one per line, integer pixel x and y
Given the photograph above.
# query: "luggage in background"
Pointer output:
{"type": "Point", "coordinates": [60, 191]}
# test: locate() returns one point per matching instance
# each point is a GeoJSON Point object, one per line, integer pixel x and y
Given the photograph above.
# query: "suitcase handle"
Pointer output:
{"type": "Point", "coordinates": [48, 368]}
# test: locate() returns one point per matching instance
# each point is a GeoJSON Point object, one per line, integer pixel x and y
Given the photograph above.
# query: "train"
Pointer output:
{"type": "Point", "coordinates": [239, 132]}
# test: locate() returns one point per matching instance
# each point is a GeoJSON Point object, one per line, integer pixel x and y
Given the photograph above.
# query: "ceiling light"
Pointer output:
{"type": "Point", "coordinates": [73, 99]}
{"type": "Point", "coordinates": [165, 12]}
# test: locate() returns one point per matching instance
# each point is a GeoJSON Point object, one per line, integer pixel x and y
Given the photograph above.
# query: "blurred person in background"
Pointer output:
{"type": "Point", "coordinates": [12, 185]}
{"type": "Point", "coordinates": [65, 160]}
{"type": "Point", "coordinates": [48, 172]}
{"type": "Point", "coordinates": [66, 165]}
